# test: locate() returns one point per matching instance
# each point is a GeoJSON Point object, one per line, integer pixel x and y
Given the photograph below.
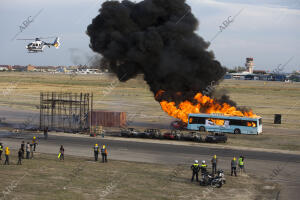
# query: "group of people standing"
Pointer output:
{"type": "Point", "coordinates": [103, 152]}
{"type": "Point", "coordinates": [196, 168]}
{"type": "Point", "coordinates": [29, 148]}
{"type": "Point", "coordinates": [239, 163]}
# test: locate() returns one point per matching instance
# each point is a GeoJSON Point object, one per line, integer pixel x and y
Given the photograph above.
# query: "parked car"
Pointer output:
{"type": "Point", "coordinates": [192, 136]}
{"type": "Point", "coordinates": [177, 134]}
{"type": "Point", "coordinates": [187, 136]}
{"type": "Point", "coordinates": [152, 133]}
{"type": "Point", "coordinates": [216, 137]}
{"type": "Point", "coordinates": [130, 132]}
{"type": "Point", "coordinates": [169, 136]}
{"type": "Point", "coordinates": [196, 137]}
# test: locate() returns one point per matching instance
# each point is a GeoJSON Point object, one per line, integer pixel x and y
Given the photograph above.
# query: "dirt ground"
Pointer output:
{"type": "Point", "coordinates": [82, 178]}
{"type": "Point", "coordinates": [20, 92]}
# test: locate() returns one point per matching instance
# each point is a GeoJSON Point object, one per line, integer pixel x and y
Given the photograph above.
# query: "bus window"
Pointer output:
{"type": "Point", "coordinates": [197, 120]}
{"type": "Point", "coordinates": [242, 123]}
{"type": "Point", "coordinates": [260, 121]}
{"type": "Point", "coordinates": [219, 122]}
{"type": "Point", "coordinates": [193, 120]}
{"type": "Point", "coordinates": [251, 123]}
{"type": "Point", "coordinates": [235, 122]}
{"type": "Point", "coordinates": [201, 120]}
{"type": "Point", "coordinates": [208, 122]}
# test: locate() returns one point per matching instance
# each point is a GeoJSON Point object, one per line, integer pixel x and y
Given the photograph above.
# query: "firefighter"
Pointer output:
{"type": "Point", "coordinates": [241, 164]}
{"type": "Point", "coordinates": [34, 142]}
{"type": "Point", "coordinates": [61, 155]}
{"type": "Point", "coordinates": [196, 168]}
{"type": "Point", "coordinates": [23, 148]}
{"type": "Point", "coordinates": [214, 162]}
{"type": "Point", "coordinates": [1, 150]}
{"type": "Point", "coordinates": [20, 156]}
{"type": "Point", "coordinates": [233, 166]}
{"type": "Point", "coordinates": [203, 167]}
{"type": "Point", "coordinates": [104, 153]}
{"type": "Point", "coordinates": [96, 152]}
{"type": "Point", "coordinates": [27, 150]}
{"type": "Point", "coordinates": [7, 152]}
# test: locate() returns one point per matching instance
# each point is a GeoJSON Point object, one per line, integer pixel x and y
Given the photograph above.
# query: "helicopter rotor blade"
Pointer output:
{"type": "Point", "coordinates": [39, 38]}
{"type": "Point", "coordinates": [25, 39]}
{"type": "Point", "coordinates": [46, 37]}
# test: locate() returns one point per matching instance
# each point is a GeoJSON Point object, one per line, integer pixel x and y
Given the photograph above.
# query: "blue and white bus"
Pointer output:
{"type": "Point", "coordinates": [224, 124]}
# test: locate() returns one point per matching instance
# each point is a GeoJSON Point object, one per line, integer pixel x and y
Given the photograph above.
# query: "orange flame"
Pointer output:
{"type": "Point", "coordinates": [252, 124]}
{"type": "Point", "coordinates": [204, 104]}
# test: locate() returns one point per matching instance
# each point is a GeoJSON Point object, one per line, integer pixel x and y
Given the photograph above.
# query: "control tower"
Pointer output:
{"type": "Point", "coordinates": [249, 65]}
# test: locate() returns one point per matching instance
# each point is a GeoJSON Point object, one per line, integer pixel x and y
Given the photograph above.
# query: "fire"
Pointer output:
{"type": "Point", "coordinates": [252, 124]}
{"type": "Point", "coordinates": [204, 104]}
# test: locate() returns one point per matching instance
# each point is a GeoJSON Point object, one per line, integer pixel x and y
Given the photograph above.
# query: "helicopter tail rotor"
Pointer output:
{"type": "Point", "coordinates": [56, 43]}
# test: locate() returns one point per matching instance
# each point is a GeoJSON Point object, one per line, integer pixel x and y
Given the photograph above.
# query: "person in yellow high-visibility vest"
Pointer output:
{"type": "Point", "coordinates": [241, 164]}
{"type": "Point", "coordinates": [104, 153]}
{"type": "Point", "coordinates": [34, 142]}
{"type": "Point", "coordinates": [233, 166]}
{"type": "Point", "coordinates": [214, 162]}
{"type": "Point", "coordinates": [7, 153]}
{"type": "Point", "coordinates": [61, 154]}
{"type": "Point", "coordinates": [195, 168]}
{"type": "Point", "coordinates": [203, 167]}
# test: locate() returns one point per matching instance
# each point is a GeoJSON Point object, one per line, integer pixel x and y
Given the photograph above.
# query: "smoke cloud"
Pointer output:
{"type": "Point", "coordinates": [156, 38]}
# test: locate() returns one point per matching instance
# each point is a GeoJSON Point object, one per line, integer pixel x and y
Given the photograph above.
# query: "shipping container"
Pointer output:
{"type": "Point", "coordinates": [107, 118]}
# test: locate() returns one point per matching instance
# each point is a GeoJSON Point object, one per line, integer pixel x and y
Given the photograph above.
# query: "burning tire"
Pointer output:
{"type": "Point", "coordinates": [237, 131]}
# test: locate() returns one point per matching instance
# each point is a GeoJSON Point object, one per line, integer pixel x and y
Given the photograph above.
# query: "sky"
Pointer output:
{"type": "Point", "coordinates": [267, 30]}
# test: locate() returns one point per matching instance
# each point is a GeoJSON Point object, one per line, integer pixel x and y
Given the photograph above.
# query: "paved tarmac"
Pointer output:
{"type": "Point", "coordinates": [279, 167]}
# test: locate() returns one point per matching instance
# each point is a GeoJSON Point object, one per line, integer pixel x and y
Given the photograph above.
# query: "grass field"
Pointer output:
{"type": "Point", "coordinates": [81, 178]}
{"type": "Point", "coordinates": [21, 91]}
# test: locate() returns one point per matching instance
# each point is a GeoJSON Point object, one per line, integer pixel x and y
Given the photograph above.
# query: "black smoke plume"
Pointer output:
{"type": "Point", "coordinates": [156, 38]}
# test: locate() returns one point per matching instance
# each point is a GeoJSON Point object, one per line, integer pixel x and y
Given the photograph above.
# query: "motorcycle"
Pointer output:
{"type": "Point", "coordinates": [219, 180]}
{"type": "Point", "coordinates": [216, 182]}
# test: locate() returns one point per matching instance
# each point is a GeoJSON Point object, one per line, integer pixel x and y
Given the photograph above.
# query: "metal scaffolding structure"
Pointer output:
{"type": "Point", "coordinates": [67, 112]}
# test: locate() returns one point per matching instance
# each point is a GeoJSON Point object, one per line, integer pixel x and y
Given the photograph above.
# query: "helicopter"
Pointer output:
{"type": "Point", "coordinates": [38, 45]}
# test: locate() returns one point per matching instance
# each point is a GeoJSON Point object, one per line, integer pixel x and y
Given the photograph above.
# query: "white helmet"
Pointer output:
{"type": "Point", "coordinates": [203, 161]}
{"type": "Point", "coordinates": [196, 161]}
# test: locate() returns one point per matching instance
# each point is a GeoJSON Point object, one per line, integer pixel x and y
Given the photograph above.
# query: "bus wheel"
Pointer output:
{"type": "Point", "coordinates": [237, 131]}
{"type": "Point", "coordinates": [202, 129]}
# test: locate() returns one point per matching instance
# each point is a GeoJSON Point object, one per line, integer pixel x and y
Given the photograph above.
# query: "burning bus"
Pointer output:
{"type": "Point", "coordinates": [207, 114]}
{"type": "Point", "coordinates": [224, 124]}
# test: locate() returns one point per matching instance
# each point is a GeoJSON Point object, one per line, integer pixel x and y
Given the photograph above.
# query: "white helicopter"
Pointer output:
{"type": "Point", "coordinates": [38, 45]}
